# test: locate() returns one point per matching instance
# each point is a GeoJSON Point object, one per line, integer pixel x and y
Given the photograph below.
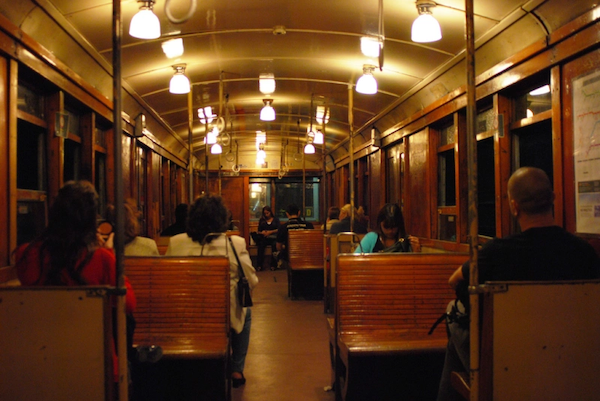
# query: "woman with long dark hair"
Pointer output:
{"type": "Point", "coordinates": [69, 252]}
{"type": "Point", "coordinates": [390, 233]}
{"type": "Point", "coordinates": [266, 236]}
{"type": "Point", "coordinates": [208, 215]}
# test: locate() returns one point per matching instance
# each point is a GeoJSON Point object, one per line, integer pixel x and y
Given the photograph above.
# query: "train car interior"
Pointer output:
{"type": "Point", "coordinates": [430, 105]}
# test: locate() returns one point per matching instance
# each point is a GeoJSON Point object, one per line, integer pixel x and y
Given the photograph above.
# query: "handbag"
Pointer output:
{"type": "Point", "coordinates": [243, 287]}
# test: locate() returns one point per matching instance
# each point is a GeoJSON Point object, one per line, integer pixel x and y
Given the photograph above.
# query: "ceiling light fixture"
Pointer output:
{"type": "Point", "coordinates": [309, 149]}
{"type": "Point", "coordinates": [179, 82]}
{"type": "Point", "coordinates": [145, 24]}
{"type": "Point", "coordinates": [319, 138]}
{"type": "Point", "coordinates": [425, 28]}
{"type": "Point", "coordinates": [210, 138]}
{"type": "Point", "coordinates": [370, 46]}
{"type": "Point", "coordinates": [268, 112]}
{"type": "Point", "coordinates": [206, 115]}
{"type": "Point", "coordinates": [367, 84]}
{"type": "Point", "coordinates": [173, 48]}
{"type": "Point", "coordinates": [322, 116]}
{"type": "Point", "coordinates": [542, 90]}
{"type": "Point", "coordinates": [216, 149]}
{"type": "Point", "coordinates": [266, 83]}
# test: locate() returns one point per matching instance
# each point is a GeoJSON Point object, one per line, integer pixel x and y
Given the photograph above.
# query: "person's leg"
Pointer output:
{"type": "Point", "coordinates": [273, 243]}
{"type": "Point", "coordinates": [239, 349]}
{"type": "Point", "coordinates": [457, 358]}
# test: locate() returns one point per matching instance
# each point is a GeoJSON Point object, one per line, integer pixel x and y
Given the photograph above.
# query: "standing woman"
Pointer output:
{"type": "Point", "coordinates": [390, 234]}
{"type": "Point", "coordinates": [267, 235]}
{"type": "Point", "coordinates": [69, 252]}
{"type": "Point", "coordinates": [208, 215]}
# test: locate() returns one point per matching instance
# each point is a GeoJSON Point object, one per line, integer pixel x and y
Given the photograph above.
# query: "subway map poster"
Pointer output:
{"type": "Point", "coordinates": [586, 129]}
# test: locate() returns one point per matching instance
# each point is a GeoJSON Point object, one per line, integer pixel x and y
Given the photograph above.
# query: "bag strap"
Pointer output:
{"type": "Point", "coordinates": [241, 271]}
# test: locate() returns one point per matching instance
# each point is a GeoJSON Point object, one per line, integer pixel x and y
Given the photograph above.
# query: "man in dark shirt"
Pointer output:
{"type": "Point", "coordinates": [178, 227]}
{"type": "Point", "coordinates": [294, 223]}
{"type": "Point", "coordinates": [542, 251]}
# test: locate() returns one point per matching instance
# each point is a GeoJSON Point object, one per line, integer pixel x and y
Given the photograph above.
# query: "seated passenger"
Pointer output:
{"type": "Point", "coordinates": [266, 236]}
{"type": "Point", "coordinates": [178, 227]}
{"type": "Point", "coordinates": [135, 245]}
{"type": "Point", "coordinates": [294, 223]}
{"type": "Point", "coordinates": [207, 215]}
{"type": "Point", "coordinates": [541, 251]}
{"type": "Point", "coordinates": [69, 252]}
{"type": "Point", "coordinates": [343, 225]}
{"type": "Point", "coordinates": [390, 234]}
{"type": "Point", "coordinates": [333, 216]}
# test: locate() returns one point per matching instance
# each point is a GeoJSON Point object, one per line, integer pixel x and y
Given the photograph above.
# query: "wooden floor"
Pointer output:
{"type": "Point", "coordinates": [288, 359]}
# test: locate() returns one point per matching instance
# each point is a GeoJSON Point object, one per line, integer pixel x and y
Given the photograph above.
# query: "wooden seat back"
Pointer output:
{"type": "Point", "coordinates": [334, 245]}
{"type": "Point", "coordinates": [542, 341]}
{"type": "Point", "coordinates": [182, 304]}
{"type": "Point", "coordinates": [56, 343]}
{"type": "Point", "coordinates": [305, 249]}
{"type": "Point", "coordinates": [396, 296]}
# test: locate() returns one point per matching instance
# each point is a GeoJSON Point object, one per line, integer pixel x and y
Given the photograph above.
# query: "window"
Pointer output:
{"type": "Point", "coordinates": [534, 147]}
{"type": "Point", "coordinates": [446, 199]}
{"type": "Point", "coordinates": [260, 196]}
{"type": "Point", "coordinates": [31, 156]}
{"type": "Point", "coordinates": [72, 160]}
{"type": "Point", "coordinates": [289, 191]}
{"type": "Point", "coordinates": [486, 187]}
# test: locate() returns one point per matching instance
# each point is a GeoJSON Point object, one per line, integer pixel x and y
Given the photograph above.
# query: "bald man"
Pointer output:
{"type": "Point", "coordinates": [541, 251]}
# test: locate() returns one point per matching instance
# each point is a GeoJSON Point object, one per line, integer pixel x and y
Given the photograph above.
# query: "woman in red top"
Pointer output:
{"type": "Point", "coordinates": [69, 251]}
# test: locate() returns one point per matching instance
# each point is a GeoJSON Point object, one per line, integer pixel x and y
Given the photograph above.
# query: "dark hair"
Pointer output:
{"type": "Point", "coordinates": [71, 231]}
{"type": "Point", "coordinates": [334, 213]}
{"type": "Point", "coordinates": [267, 208]}
{"type": "Point", "coordinates": [292, 210]}
{"type": "Point", "coordinates": [181, 212]}
{"type": "Point", "coordinates": [391, 216]}
{"type": "Point", "coordinates": [207, 215]}
{"type": "Point", "coordinates": [131, 223]}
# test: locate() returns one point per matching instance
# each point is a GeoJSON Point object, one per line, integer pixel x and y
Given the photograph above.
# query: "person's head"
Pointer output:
{"type": "Point", "coordinates": [267, 212]}
{"type": "Point", "coordinates": [390, 222]}
{"type": "Point", "coordinates": [71, 230]}
{"type": "Point", "coordinates": [73, 215]}
{"type": "Point", "coordinates": [333, 213]}
{"type": "Point", "coordinates": [292, 210]}
{"type": "Point", "coordinates": [530, 192]}
{"type": "Point", "coordinates": [181, 212]}
{"type": "Point", "coordinates": [207, 215]}
{"type": "Point", "coordinates": [346, 212]}
{"type": "Point", "coordinates": [131, 221]}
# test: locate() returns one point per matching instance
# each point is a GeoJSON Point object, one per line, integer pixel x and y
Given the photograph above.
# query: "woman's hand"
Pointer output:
{"type": "Point", "coordinates": [415, 243]}
{"type": "Point", "coordinates": [108, 243]}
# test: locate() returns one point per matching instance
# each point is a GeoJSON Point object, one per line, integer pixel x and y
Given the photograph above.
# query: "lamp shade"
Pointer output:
{"type": "Point", "coordinates": [179, 83]}
{"type": "Point", "coordinates": [145, 24]}
{"type": "Point", "coordinates": [173, 47]}
{"type": "Point", "coordinates": [309, 149]}
{"type": "Point", "coordinates": [370, 47]}
{"type": "Point", "coordinates": [319, 138]}
{"type": "Point", "coordinates": [266, 83]}
{"type": "Point", "coordinates": [426, 29]}
{"type": "Point", "coordinates": [216, 149]}
{"type": "Point", "coordinates": [268, 112]}
{"type": "Point", "coordinates": [366, 84]}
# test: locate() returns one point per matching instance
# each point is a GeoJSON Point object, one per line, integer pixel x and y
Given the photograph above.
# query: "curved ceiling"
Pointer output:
{"type": "Point", "coordinates": [312, 48]}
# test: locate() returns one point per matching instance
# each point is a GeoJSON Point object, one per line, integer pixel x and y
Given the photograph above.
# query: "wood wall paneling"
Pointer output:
{"type": "Point", "coordinates": [418, 198]}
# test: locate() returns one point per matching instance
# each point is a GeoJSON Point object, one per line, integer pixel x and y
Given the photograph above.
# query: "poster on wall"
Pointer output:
{"type": "Point", "coordinates": [586, 137]}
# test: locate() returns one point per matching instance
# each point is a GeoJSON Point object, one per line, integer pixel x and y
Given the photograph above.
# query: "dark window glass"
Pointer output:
{"type": "Point", "coordinates": [446, 179]}
{"type": "Point", "coordinates": [486, 189]}
{"type": "Point", "coordinates": [289, 191]}
{"type": "Point", "coordinates": [535, 147]}
{"type": "Point", "coordinates": [72, 160]}
{"type": "Point", "coordinates": [30, 156]}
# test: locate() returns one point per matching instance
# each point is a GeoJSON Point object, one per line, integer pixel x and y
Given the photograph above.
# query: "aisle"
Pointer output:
{"type": "Point", "coordinates": [288, 359]}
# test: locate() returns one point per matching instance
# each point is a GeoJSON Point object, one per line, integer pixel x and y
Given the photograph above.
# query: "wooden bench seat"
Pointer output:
{"type": "Point", "coordinates": [183, 307]}
{"type": "Point", "coordinates": [335, 244]}
{"type": "Point", "coordinates": [385, 306]}
{"type": "Point", "coordinates": [305, 268]}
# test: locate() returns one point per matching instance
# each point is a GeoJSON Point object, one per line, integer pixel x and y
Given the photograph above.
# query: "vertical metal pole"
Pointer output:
{"type": "Point", "coordinates": [206, 191]}
{"type": "Point", "coordinates": [473, 216]}
{"type": "Point", "coordinates": [327, 201]}
{"type": "Point", "coordinates": [224, 125]}
{"type": "Point", "coordinates": [351, 152]}
{"type": "Point", "coordinates": [191, 147]}
{"type": "Point", "coordinates": [119, 200]}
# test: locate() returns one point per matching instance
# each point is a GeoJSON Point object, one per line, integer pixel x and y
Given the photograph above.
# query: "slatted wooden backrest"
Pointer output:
{"type": "Point", "coordinates": [342, 243]}
{"type": "Point", "coordinates": [305, 249]}
{"type": "Point", "coordinates": [179, 299]}
{"type": "Point", "coordinates": [544, 341]}
{"type": "Point", "coordinates": [393, 293]}
{"type": "Point", "coordinates": [55, 343]}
